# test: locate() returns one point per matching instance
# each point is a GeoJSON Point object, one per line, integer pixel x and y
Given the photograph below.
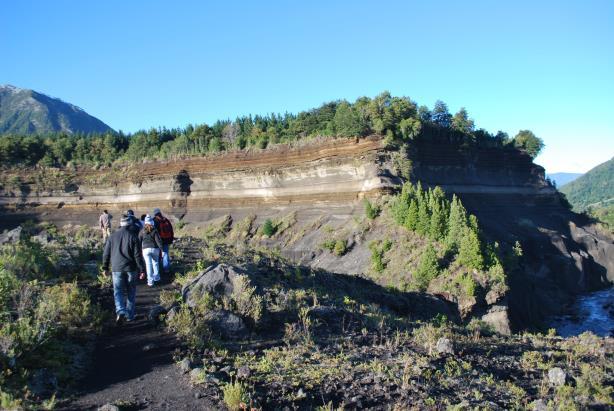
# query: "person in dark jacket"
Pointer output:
{"type": "Point", "coordinates": [151, 244]}
{"type": "Point", "coordinates": [135, 223]}
{"type": "Point", "coordinates": [123, 252]}
{"type": "Point", "coordinates": [165, 229]}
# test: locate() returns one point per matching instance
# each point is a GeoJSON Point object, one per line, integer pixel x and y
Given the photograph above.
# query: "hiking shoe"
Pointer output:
{"type": "Point", "coordinates": [120, 319]}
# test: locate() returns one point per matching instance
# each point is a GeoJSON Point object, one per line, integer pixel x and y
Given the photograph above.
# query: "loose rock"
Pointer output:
{"type": "Point", "coordinates": [185, 365]}
{"type": "Point", "coordinates": [155, 313]}
{"type": "Point", "coordinates": [444, 346]}
{"type": "Point", "coordinates": [226, 324]}
{"type": "Point", "coordinates": [557, 377]}
{"type": "Point", "coordinates": [244, 372]}
{"type": "Point", "coordinates": [216, 280]}
{"type": "Point", "coordinates": [11, 237]}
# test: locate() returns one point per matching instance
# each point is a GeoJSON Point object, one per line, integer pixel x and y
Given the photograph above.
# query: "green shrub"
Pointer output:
{"type": "Point", "coordinates": [372, 211]}
{"type": "Point", "coordinates": [65, 304]}
{"type": "Point", "coordinates": [235, 396]}
{"type": "Point", "coordinates": [340, 247]}
{"type": "Point", "coordinates": [8, 402]}
{"type": "Point", "coordinates": [188, 328]}
{"type": "Point", "coordinates": [268, 229]}
{"type": "Point", "coordinates": [428, 334]}
{"type": "Point", "coordinates": [337, 247]}
{"type": "Point", "coordinates": [40, 322]}
{"type": "Point", "coordinates": [246, 302]}
{"type": "Point", "coordinates": [329, 245]}
{"type": "Point", "coordinates": [377, 255]}
{"type": "Point", "coordinates": [467, 284]}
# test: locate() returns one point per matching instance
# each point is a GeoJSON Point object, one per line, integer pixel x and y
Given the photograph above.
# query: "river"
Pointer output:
{"type": "Point", "coordinates": [591, 312]}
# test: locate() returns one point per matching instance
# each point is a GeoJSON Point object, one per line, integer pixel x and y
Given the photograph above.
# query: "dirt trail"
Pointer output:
{"type": "Point", "coordinates": [133, 365]}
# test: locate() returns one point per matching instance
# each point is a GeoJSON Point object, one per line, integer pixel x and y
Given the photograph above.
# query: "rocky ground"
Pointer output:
{"type": "Point", "coordinates": [243, 328]}
{"type": "Point", "coordinates": [273, 336]}
{"type": "Point", "coordinates": [133, 367]}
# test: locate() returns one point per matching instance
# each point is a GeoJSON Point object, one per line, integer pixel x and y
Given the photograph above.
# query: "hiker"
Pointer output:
{"type": "Point", "coordinates": [151, 245]}
{"type": "Point", "coordinates": [105, 224]}
{"type": "Point", "coordinates": [123, 251]}
{"type": "Point", "coordinates": [137, 225]}
{"type": "Point", "coordinates": [165, 229]}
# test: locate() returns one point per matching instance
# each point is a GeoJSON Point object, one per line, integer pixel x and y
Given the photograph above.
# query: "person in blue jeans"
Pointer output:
{"type": "Point", "coordinates": [151, 245]}
{"type": "Point", "coordinates": [123, 253]}
{"type": "Point", "coordinates": [165, 229]}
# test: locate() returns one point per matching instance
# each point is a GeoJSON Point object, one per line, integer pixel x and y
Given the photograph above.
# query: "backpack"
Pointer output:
{"type": "Point", "coordinates": [165, 229]}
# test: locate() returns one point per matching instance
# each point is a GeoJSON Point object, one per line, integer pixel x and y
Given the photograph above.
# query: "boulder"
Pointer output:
{"type": "Point", "coordinates": [226, 324]}
{"type": "Point", "coordinates": [185, 365]}
{"type": "Point", "coordinates": [109, 407]}
{"type": "Point", "coordinates": [198, 375]}
{"type": "Point", "coordinates": [466, 306]}
{"type": "Point", "coordinates": [444, 346]}
{"type": "Point", "coordinates": [494, 296]}
{"type": "Point", "coordinates": [216, 280]}
{"type": "Point", "coordinates": [42, 238]}
{"type": "Point", "coordinates": [498, 318]}
{"type": "Point", "coordinates": [598, 247]}
{"type": "Point", "coordinates": [155, 313]}
{"type": "Point", "coordinates": [539, 405]}
{"type": "Point", "coordinates": [11, 237]}
{"type": "Point", "coordinates": [557, 377]}
{"type": "Point", "coordinates": [243, 372]}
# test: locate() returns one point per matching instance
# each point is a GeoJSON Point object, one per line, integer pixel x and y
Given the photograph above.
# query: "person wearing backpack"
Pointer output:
{"type": "Point", "coordinates": [123, 256]}
{"type": "Point", "coordinates": [151, 244]}
{"type": "Point", "coordinates": [165, 229]}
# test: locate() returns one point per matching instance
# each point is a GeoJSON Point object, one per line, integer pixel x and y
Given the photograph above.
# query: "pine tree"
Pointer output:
{"type": "Point", "coordinates": [424, 220]}
{"type": "Point", "coordinates": [399, 210]}
{"type": "Point", "coordinates": [470, 250]}
{"type": "Point", "coordinates": [437, 228]}
{"type": "Point", "coordinates": [411, 220]}
{"type": "Point", "coordinates": [457, 222]}
{"type": "Point", "coordinates": [428, 268]}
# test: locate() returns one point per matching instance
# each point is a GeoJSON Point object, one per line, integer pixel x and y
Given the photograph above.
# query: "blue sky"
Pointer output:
{"type": "Point", "coordinates": [547, 66]}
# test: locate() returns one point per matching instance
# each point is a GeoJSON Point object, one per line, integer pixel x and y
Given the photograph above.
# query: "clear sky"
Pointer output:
{"type": "Point", "coordinates": [547, 66]}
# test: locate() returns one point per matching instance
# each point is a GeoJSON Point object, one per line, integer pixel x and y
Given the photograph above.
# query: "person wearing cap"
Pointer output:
{"type": "Point", "coordinates": [137, 225]}
{"type": "Point", "coordinates": [151, 245]}
{"type": "Point", "coordinates": [123, 252]}
{"type": "Point", "coordinates": [165, 229]}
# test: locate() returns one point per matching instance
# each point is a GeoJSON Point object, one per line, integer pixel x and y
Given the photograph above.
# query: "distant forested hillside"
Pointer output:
{"type": "Point", "coordinates": [399, 119]}
{"type": "Point", "coordinates": [25, 111]}
{"type": "Point", "coordinates": [593, 189]}
{"type": "Point", "coordinates": [560, 179]}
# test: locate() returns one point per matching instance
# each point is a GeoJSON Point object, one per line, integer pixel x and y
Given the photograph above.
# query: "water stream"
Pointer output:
{"type": "Point", "coordinates": [591, 312]}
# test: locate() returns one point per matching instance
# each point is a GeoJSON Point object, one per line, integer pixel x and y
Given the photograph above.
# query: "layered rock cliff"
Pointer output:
{"type": "Point", "coordinates": [316, 187]}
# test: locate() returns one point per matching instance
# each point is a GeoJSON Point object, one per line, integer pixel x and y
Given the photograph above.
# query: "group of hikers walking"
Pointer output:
{"type": "Point", "coordinates": [139, 249]}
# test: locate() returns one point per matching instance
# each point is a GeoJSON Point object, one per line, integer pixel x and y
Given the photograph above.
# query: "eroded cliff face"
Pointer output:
{"type": "Point", "coordinates": [319, 188]}
{"type": "Point", "coordinates": [563, 253]}
{"type": "Point", "coordinates": [337, 171]}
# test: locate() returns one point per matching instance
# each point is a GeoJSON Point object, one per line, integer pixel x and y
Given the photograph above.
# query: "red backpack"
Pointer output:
{"type": "Point", "coordinates": [165, 229]}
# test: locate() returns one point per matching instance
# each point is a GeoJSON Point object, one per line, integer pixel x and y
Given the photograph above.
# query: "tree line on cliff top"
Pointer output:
{"type": "Point", "coordinates": [399, 119]}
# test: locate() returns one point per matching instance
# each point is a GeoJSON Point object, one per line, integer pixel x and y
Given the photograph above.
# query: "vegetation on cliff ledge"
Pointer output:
{"type": "Point", "coordinates": [396, 118]}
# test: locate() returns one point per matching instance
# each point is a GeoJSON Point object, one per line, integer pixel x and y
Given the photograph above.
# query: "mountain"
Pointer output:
{"type": "Point", "coordinates": [560, 179]}
{"type": "Point", "coordinates": [594, 188]}
{"type": "Point", "coordinates": [24, 111]}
